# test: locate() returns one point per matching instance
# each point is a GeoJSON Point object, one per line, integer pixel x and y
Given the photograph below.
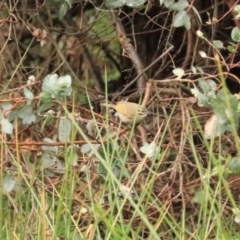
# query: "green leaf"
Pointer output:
{"type": "Point", "coordinates": [202, 99]}
{"type": "Point", "coordinates": [196, 13]}
{"type": "Point", "coordinates": [53, 149]}
{"type": "Point", "coordinates": [64, 82]}
{"type": "Point", "coordinates": [91, 128]}
{"type": "Point", "coordinates": [235, 34]}
{"type": "Point", "coordinates": [69, 2]}
{"type": "Point", "coordinates": [30, 119]}
{"type": "Point", "coordinates": [237, 16]}
{"type": "Point", "coordinates": [199, 197]}
{"type": "Point", "coordinates": [200, 69]}
{"type": "Point", "coordinates": [219, 170]}
{"type": "Point", "coordinates": [27, 115]}
{"type": "Point", "coordinates": [208, 87]}
{"type": "Point", "coordinates": [64, 130]}
{"type": "Point", "coordinates": [7, 127]}
{"type": "Point", "coordinates": [89, 149]}
{"type": "Point", "coordinates": [45, 97]}
{"type": "Point", "coordinates": [187, 21]}
{"type": "Point", "coordinates": [237, 218]}
{"type": "Point", "coordinates": [28, 94]}
{"type": "Point", "coordinates": [125, 191]}
{"type": "Point", "coordinates": [232, 48]}
{"type": "Point", "coordinates": [135, 3]}
{"type": "Point", "coordinates": [236, 9]}
{"type": "Point", "coordinates": [120, 3]}
{"type": "Point", "coordinates": [45, 106]}
{"type": "Point", "coordinates": [225, 107]}
{"type": "Point", "coordinates": [236, 212]}
{"type": "Point", "coordinates": [168, 3]}
{"type": "Point", "coordinates": [50, 82]}
{"type": "Point", "coordinates": [234, 165]}
{"type": "Point", "coordinates": [202, 54]}
{"type": "Point", "coordinates": [115, 3]}
{"type": "Point", "coordinates": [8, 183]}
{"type": "Point", "coordinates": [72, 156]}
{"type": "Point", "coordinates": [115, 168]}
{"type": "Point", "coordinates": [194, 70]}
{"type": "Point", "coordinates": [182, 18]}
{"type": "Point", "coordinates": [179, 72]}
{"type": "Point", "coordinates": [218, 44]}
{"type": "Point", "coordinates": [179, 6]}
{"type": "Point", "coordinates": [149, 149]}
{"type": "Point", "coordinates": [7, 110]}
{"type": "Point", "coordinates": [178, 19]}
{"type": "Point", "coordinates": [161, 2]}
{"type": "Point", "coordinates": [52, 163]}
{"type": "Point", "coordinates": [86, 148]}
{"type": "Point", "coordinates": [115, 160]}
{"type": "Point", "coordinates": [6, 107]}
{"type": "Point", "coordinates": [54, 87]}
{"type": "Point", "coordinates": [12, 115]}
{"type": "Point", "coordinates": [63, 10]}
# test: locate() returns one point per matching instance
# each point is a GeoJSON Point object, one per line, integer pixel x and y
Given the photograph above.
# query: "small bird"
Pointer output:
{"type": "Point", "coordinates": [128, 112]}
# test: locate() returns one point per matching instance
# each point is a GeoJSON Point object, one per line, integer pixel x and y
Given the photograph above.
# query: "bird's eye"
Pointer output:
{"type": "Point", "coordinates": [142, 111]}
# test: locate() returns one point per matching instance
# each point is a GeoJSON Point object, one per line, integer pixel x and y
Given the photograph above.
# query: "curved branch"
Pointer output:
{"type": "Point", "coordinates": [130, 51]}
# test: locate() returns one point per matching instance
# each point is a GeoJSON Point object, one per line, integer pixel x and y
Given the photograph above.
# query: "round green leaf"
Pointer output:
{"type": "Point", "coordinates": [7, 127]}
{"type": "Point", "coordinates": [236, 9]}
{"type": "Point", "coordinates": [218, 44]}
{"type": "Point", "coordinates": [168, 3]}
{"type": "Point", "coordinates": [72, 158]}
{"type": "Point", "coordinates": [28, 94]}
{"type": "Point", "coordinates": [115, 3]}
{"type": "Point", "coordinates": [135, 3]}
{"type": "Point", "coordinates": [53, 149]}
{"type": "Point", "coordinates": [179, 72]}
{"type": "Point", "coordinates": [64, 130]}
{"type": "Point", "coordinates": [235, 34]}
{"type": "Point", "coordinates": [149, 149]}
{"type": "Point", "coordinates": [234, 165]}
{"type": "Point", "coordinates": [178, 6]}
{"type": "Point", "coordinates": [8, 183]}
{"type": "Point", "coordinates": [52, 164]}
{"type": "Point", "coordinates": [25, 112]}
{"type": "Point", "coordinates": [199, 197]}
{"type": "Point", "coordinates": [182, 18]}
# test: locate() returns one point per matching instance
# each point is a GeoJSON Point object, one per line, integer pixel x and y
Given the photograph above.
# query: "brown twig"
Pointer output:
{"type": "Point", "coordinates": [144, 70]}
{"type": "Point", "coordinates": [9, 19]}
{"type": "Point", "coordinates": [147, 94]}
{"type": "Point", "coordinates": [130, 51]}
{"type": "Point", "coordinates": [143, 134]}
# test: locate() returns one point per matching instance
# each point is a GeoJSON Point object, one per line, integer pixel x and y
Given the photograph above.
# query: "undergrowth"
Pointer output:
{"type": "Point", "coordinates": [70, 169]}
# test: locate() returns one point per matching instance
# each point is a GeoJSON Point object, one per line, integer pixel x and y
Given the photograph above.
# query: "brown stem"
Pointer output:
{"type": "Point", "coordinates": [130, 51]}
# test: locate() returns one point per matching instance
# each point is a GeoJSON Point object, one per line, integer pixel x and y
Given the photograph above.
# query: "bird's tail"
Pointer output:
{"type": "Point", "coordinates": [109, 105]}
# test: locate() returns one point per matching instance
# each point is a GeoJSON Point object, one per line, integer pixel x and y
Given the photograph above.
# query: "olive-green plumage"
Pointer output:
{"type": "Point", "coordinates": [128, 112]}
